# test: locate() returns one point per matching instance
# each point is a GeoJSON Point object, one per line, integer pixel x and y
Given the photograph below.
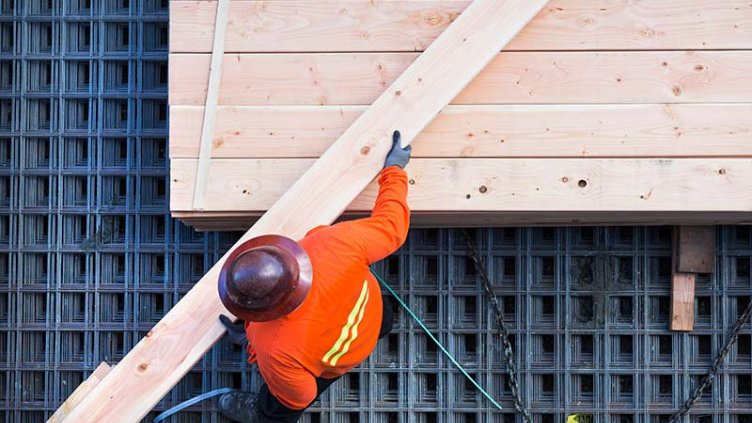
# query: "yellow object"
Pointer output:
{"type": "Point", "coordinates": [580, 418]}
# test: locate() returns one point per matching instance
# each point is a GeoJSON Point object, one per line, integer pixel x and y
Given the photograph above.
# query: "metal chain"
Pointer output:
{"type": "Point", "coordinates": [710, 376]}
{"type": "Point", "coordinates": [512, 380]}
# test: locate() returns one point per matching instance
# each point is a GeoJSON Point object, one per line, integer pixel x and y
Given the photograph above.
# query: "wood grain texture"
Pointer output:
{"type": "Point", "coordinates": [184, 335]}
{"type": "Point", "coordinates": [683, 301]}
{"type": "Point", "coordinates": [80, 393]}
{"type": "Point", "coordinates": [640, 130]}
{"type": "Point", "coordinates": [476, 185]}
{"type": "Point", "coordinates": [400, 25]}
{"type": "Point", "coordinates": [210, 108]}
{"type": "Point", "coordinates": [516, 77]}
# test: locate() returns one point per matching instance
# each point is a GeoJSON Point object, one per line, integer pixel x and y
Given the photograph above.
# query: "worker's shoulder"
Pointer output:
{"type": "Point", "coordinates": [330, 236]}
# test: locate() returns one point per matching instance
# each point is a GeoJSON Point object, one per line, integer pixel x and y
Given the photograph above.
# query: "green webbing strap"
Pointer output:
{"type": "Point", "coordinates": [433, 338]}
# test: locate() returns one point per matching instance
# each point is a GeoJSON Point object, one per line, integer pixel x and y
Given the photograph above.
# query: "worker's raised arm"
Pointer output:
{"type": "Point", "coordinates": [386, 230]}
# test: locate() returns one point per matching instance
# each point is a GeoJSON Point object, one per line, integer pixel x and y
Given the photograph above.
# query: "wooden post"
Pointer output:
{"type": "Point", "coordinates": [184, 335]}
{"type": "Point", "coordinates": [683, 301]}
{"type": "Point", "coordinates": [694, 252]}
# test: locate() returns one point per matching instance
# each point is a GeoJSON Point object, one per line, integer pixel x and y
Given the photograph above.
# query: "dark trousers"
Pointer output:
{"type": "Point", "coordinates": [273, 411]}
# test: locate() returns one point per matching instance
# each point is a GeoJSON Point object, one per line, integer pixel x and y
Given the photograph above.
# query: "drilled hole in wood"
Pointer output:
{"type": "Point", "coordinates": [582, 183]}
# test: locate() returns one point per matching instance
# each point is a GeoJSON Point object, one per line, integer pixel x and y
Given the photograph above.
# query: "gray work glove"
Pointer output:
{"type": "Point", "coordinates": [235, 331]}
{"type": "Point", "coordinates": [398, 156]}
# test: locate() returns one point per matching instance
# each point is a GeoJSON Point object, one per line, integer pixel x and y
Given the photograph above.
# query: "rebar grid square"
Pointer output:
{"type": "Point", "coordinates": [153, 155]}
{"type": "Point", "coordinates": [38, 192]}
{"type": "Point", "coordinates": [8, 114]}
{"type": "Point", "coordinates": [119, 39]}
{"type": "Point", "coordinates": [155, 37]}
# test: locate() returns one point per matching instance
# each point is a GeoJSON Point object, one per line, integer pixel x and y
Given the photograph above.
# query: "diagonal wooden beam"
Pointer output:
{"type": "Point", "coordinates": [183, 336]}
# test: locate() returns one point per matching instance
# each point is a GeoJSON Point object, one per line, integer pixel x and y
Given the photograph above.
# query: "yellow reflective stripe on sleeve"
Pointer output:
{"type": "Point", "coordinates": [354, 333]}
{"type": "Point", "coordinates": [350, 321]}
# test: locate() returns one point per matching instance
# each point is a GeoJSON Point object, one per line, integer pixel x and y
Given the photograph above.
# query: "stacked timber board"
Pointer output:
{"type": "Point", "coordinates": [599, 111]}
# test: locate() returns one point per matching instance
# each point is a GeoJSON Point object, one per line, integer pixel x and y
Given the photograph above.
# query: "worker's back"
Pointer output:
{"type": "Point", "coordinates": [338, 324]}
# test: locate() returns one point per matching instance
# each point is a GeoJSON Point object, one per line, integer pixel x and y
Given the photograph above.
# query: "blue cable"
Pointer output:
{"type": "Point", "coordinates": [433, 338]}
{"type": "Point", "coordinates": [190, 402]}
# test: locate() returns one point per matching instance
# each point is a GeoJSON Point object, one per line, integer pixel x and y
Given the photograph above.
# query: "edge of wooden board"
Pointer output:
{"type": "Point", "coordinates": [559, 130]}
{"type": "Point", "coordinates": [511, 78]}
{"type": "Point", "coordinates": [473, 185]}
{"type": "Point", "coordinates": [233, 221]}
{"type": "Point", "coordinates": [280, 26]}
{"type": "Point", "coordinates": [80, 393]}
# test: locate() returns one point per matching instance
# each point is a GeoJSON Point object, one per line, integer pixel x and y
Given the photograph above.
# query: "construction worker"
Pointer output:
{"type": "Point", "coordinates": [312, 309]}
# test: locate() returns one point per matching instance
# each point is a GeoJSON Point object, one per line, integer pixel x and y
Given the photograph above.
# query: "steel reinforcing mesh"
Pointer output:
{"type": "Point", "coordinates": [90, 260]}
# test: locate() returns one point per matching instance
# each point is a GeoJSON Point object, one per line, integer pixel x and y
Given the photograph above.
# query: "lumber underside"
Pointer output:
{"type": "Point", "coordinates": [613, 130]}
{"type": "Point", "coordinates": [511, 78]}
{"type": "Point", "coordinates": [232, 221]}
{"type": "Point", "coordinates": [471, 185]}
{"type": "Point", "coordinates": [187, 331]}
{"type": "Point", "coordinates": [305, 25]}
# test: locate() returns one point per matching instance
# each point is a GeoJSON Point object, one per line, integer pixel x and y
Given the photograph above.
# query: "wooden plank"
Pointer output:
{"type": "Point", "coordinates": [695, 249]}
{"type": "Point", "coordinates": [210, 108]}
{"type": "Point", "coordinates": [518, 77]}
{"type": "Point", "coordinates": [78, 395]}
{"type": "Point", "coordinates": [465, 185]}
{"type": "Point", "coordinates": [347, 25]}
{"type": "Point", "coordinates": [683, 301]}
{"type": "Point", "coordinates": [183, 336]}
{"type": "Point", "coordinates": [613, 130]}
{"type": "Point", "coordinates": [315, 26]}
{"type": "Point", "coordinates": [685, 239]}
{"type": "Point", "coordinates": [226, 221]}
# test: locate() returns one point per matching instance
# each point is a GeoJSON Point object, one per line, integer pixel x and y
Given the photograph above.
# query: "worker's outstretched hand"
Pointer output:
{"type": "Point", "coordinates": [398, 156]}
{"type": "Point", "coordinates": [235, 331]}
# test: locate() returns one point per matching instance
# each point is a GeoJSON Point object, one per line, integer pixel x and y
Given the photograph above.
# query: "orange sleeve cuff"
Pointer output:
{"type": "Point", "coordinates": [392, 171]}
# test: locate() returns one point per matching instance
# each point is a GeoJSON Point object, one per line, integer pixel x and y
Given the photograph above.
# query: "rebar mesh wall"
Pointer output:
{"type": "Point", "coordinates": [90, 260]}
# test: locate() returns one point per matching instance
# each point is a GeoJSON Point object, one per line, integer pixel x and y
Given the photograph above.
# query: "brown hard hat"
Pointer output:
{"type": "Point", "coordinates": [265, 278]}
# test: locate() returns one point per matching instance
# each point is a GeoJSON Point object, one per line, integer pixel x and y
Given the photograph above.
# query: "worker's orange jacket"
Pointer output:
{"type": "Point", "coordinates": [338, 324]}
